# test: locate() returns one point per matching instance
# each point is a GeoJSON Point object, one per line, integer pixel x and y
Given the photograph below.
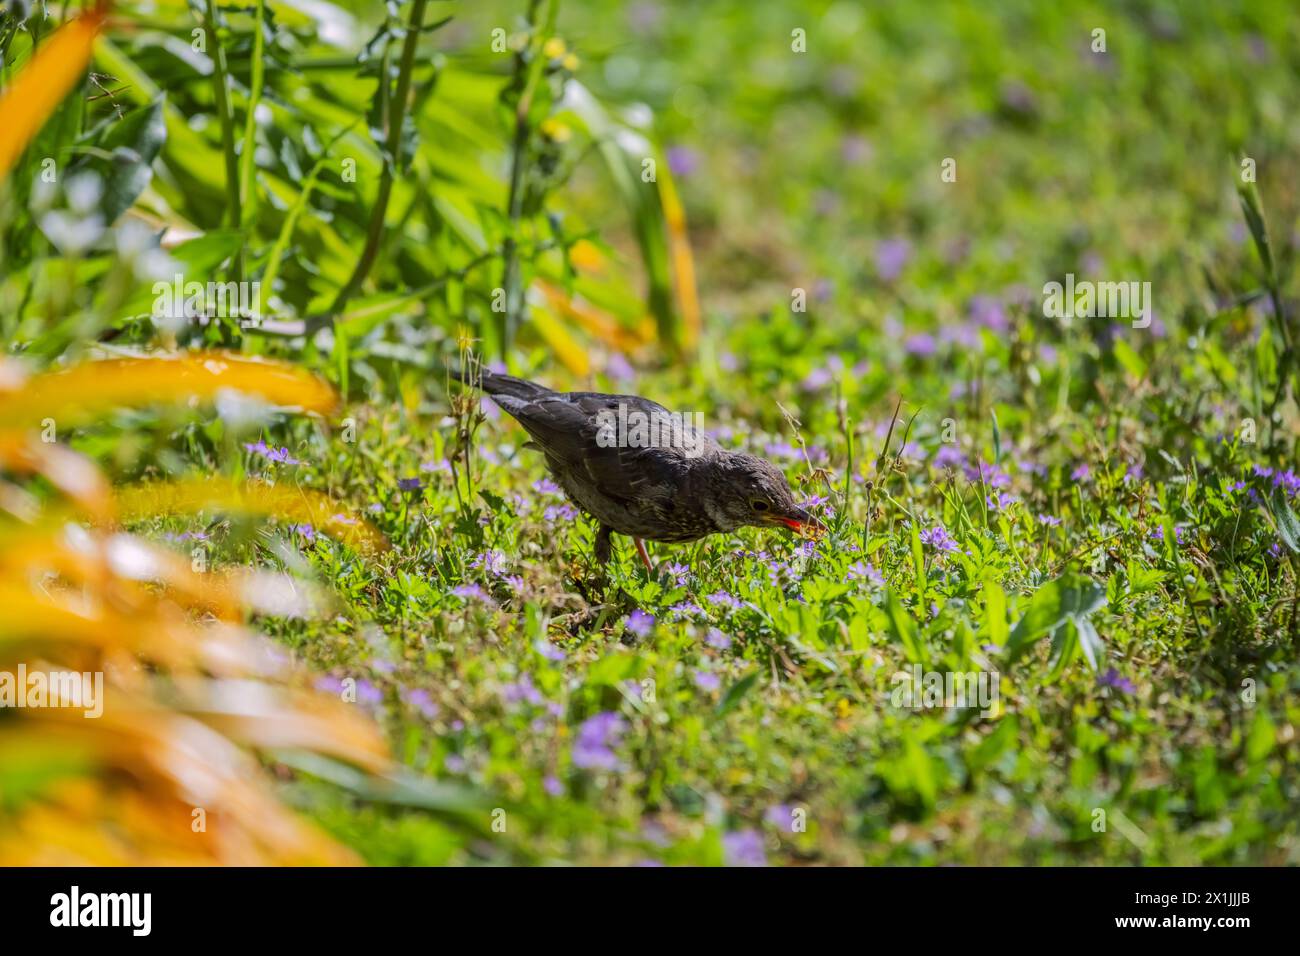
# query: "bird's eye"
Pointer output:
{"type": "Point", "coordinates": [758, 504]}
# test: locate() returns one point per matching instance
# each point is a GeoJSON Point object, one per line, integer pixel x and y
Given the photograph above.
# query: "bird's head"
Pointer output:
{"type": "Point", "coordinates": [751, 491]}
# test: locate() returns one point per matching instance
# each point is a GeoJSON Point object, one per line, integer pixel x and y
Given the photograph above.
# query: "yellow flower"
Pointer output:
{"type": "Point", "coordinates": [843, 708]}
{"type": "Point", "coordinates": [554, 48]}
{"type": "Point", "coordinates": [571, 63]}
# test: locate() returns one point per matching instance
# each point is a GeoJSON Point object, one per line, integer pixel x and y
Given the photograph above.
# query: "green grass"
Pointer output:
{"type": "Point", "coordinates": [1142, 620]}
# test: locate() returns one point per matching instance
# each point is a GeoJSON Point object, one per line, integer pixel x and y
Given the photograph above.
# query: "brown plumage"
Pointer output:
{"type": "Point", "coordinates": [680, 488]}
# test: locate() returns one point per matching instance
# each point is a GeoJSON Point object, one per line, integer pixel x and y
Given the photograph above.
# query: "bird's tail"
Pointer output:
{"type": "Point", "coordinates": [494, 383]}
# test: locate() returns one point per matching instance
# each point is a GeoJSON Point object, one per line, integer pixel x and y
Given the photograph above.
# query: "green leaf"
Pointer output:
{"type": "Point", "coordinates": [995, 614]}
{"type": "Point", "coordinates": [1128, 357]}
{"type": "Point", "coordinates": [1288, 527]}
{"type": "Point", "coordinates": [1251, 208]}
{"type": "Point", "coordinates": [997, 438]}
{"type": "Point", "coordinates": [903, 626]}
{"type": "Point", "coordinates": [1051, 606]}
{"type": "Point", "coordinates": [736, 693]}
{"type": "Point", "coordinates": [124, 155]}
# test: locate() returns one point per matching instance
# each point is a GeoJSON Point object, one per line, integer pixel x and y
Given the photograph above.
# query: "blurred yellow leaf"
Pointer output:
{"type": "Point", "coordinates": [679, 246]}
{"type": "Point", "coordinates": [79, 394]}
{"type": "Point", "coordinates": [567, 349]}
{"type": "Point", "coordinates": [283, 502]}
{"type": "Point", "coordinates": [37, 91]}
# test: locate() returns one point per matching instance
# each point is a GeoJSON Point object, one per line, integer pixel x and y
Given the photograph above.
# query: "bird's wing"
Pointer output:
{"type": "Point", "coordinates": [567, 427]}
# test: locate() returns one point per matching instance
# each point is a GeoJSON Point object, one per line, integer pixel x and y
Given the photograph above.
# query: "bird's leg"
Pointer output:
{"type": "Point", "coordinates": [645, 558]}
{"type": "Point", "coordinates": [604, 546]}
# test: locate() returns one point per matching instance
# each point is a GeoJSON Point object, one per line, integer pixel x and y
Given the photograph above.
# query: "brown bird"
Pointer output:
{"type": "Point", "coordinates": [640, 470]}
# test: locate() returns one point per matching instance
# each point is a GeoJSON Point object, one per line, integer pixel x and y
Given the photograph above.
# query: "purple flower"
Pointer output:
{"type": "Point", "coordinates": [744, 848]}
{"type": "Point", "coordinates": [271, 453]}
{"type": "Point", "coordinates": [682, 160]}
{"type": "Point", "coordinates": [987, 311]}
{"type": "Point", "coordinates": [891, 256]}
{"type": "Point", "coordinates": [470, 592]}
{"type": "Point", "coordinates": [560, 513]}
{"type": "Point", "coordinates": [410, 484]}
{"type": "Point", "coordinates": [553, 786]}
{"type": "Point", "coordinates": [639, 623]}
{"type": "Point", "coordinates": [1081, 473]}
{"type": "Point", "coordinates": [522, 691]}
{"type": "Point", "coordinates": [717, 640]}
{"type": "Point", "coordinates": [991, 475]}
{"type": "Point", "coordinates": [593, 747]}
{"type": "Point", "coordinates": [1113, 679]}
{"type": "Point", "coordinates": [1158, 534]}
{"type": "Point", "coordinates": [679, 572]}
{"type": "Point", "coordinates": [548, 650]}
{"type": "Point", "coordinates": [780, 816]}
{"type": "Point", "coordinates": [685, 609]}
{"type": "Point", "coordinates": [817, 379]}
{"type": "Point", "coordinates": [491, 561]}
{"type": "Point", "coordinates": [938, 538]}
{"type": "Point", "coordinates": [368, 693]}
{"type": "Point", "coordinates": [544, 486]}
{"type": "Point", "coordinates": [948, 456]}
{"type": "Point", "coordinates": [723, 599]}
{"type": "Point", "coordinates": [331, 685]}
{"type": "Point", "coordinates": [864, 571]}
{"type": "Point", "coordinates": [921, 345]}
{"type": "Point", "coordinates": [706, 681]}
{"type": "Point", "coordinates": [1050, 520]}
{"type": "Point", "coordinates": [423, 702]}
{"type": "Point", "coordinates": [783, 450]}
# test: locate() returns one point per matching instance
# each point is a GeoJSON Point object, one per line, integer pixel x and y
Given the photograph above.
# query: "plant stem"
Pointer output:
{"type": "Point", "coordinates": [221, 93]}
{"type": "Point", "coordinates": [395, 118]}
{"type": "Point", "coordinates": [512, 281]}
{"type": "Point", "coordinates": [256, 72]}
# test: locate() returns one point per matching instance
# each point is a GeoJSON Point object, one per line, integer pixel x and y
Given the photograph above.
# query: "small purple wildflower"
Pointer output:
{"type": "Point", "coordinates": [682, 160]}
{"type": "Point", "coordinates": [1112, 678]}
{"type": "Point", "coordinates": [892, 256]}
{"type": "Point", "coordinates": [948, 456]}
{"type": "Point", "coordinates": [522, 691]}
{"type": "Point", "coordinates": [920, 345]}
{"type": "Point", "coordinates": [639, 623]}
{"type": "Point", "coordinates": [470, 592]}
{"type": "Point", "coordinates": [271, 453]}
{"type": "Point", "coordinates": [744, 848]}
{"type": "Point", "coordinates": [544, 486]}
{"type": "Point", "coordinates": [723, 599]}
{"type": "Point", "coordinates": [865, 571]}
{"type": "Point", "coordinates": [548, 650]}
{"type": "Point", "coordinates": [939, 539]}
{"type": "Point", "coordinates": [410, 484]}
{"type": "Point", "coordinates": [423, 702]}
{"type": "Point", "coordinates": [593, 747]}
{"type": "Point", "coordinates": [706, 681]}
{"type": "Point", "coordinates": [717, 640]}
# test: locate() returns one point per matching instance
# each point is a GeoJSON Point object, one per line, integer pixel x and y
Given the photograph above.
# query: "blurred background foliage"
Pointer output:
{"type": "Point", "coordinates": [603, 193]}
